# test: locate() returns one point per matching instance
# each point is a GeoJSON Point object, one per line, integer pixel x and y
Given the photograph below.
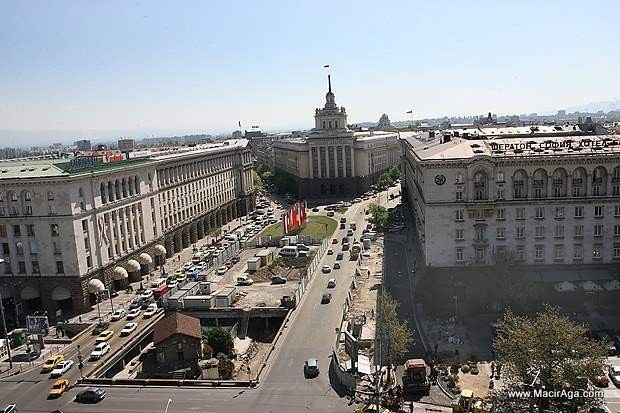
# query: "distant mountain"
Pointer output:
{"type": "Point", "coordinates": [596, 106]}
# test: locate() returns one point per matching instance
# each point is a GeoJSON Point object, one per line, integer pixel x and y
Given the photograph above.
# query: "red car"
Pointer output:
{"type": "Point", "coordinates": [228, 264]}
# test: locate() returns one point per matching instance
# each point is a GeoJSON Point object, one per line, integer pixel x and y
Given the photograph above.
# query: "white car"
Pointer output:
{"type": "Point", "coordinates": [118, 314]}
{"type": "Point", "coordinates": [100, 350]}
{"type": "Point", "coordinates": [326, 269]}
{"type": "Point", "coordinates": [129, 328]}
{"type": "Point", "coordinates": [187, 266]}
{"type": "Point", "coordinates": [222, 270]}
{"type": "Point", "coordinates": [150, 311]}
{"type": "Point", "coordinates": [331, 283]}
{"type": "Point", "coordinates": [61, 368]}
{"type": "Point", "coordinates": [171, 283]}
{"type": "Point", "coordinates": [147, 295]}
{"type": "Point", "coordinates": [133, 313]}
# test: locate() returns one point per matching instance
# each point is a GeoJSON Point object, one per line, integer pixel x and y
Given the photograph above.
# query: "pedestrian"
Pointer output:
{"type": "Point", "coordinates": [411, 407]}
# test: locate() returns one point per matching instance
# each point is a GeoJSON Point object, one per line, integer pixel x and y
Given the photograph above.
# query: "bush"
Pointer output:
{"type": "Point", "coordinates": [225, 369]}
{"type": "Point", "coordinates": [220, 340]}
{"type": "Point", "coordinates": [465, 368]}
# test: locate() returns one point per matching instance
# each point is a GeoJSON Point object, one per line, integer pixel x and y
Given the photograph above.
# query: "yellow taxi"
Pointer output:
{"type": "Point", "coordinates": [179, 272]}
{"type": "Point", "coordinates": [60, 386]}
{"type": "Point", "coordinates": [104, 336]}
{"type": "Point", "coordinates": [181, 278]}
{"type": "Point", "coordinates": [51, 363]}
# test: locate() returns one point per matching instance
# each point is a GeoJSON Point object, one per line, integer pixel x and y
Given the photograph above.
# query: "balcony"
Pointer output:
{"type": "Point", "coordinates": [577, 181]}
{"type": "Point", "coordinates": [480, 242]}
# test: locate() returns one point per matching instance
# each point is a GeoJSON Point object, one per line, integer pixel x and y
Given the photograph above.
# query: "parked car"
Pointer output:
{"type": "Point", "coordinates": [614, 375]}
{"type": "Point", "coordinates": [133, 313]}
{"type": "Point", "coordinates": [326, 268]}
{"type": "Point", "coordinates": [315, 209]}
{"type": "Point", "coordinates": [172, 282]}
{"type": "Point", "coordinates": [57, 390]}
{"type": "Point", "coordinates": [331, 283]}
{"type": "Point", "coordinates": [117, 314]}
{"type": "Point", "coordinates": [326, 298]}
{"type": "Point", "coordinates": [128, 329]}
{"type": "Point", "coordinates": [90, 395]}
{"type": "Point", "coordinates": [235, 259]}
{"type": "Point", "coordinates": [99, 351]}
{"type": "Point", "coordinates": [147, 295]}
{"type": "Point", "coordinates": [311, 367]}
{"type": "Point", "coordinates": [276, 279]}
{"type": "Point", "coordinates": [150, 311]}
{"type": "Point", "coordinates": [330, 213]}
{"type": "Point", "coordinates": [335, 241]}
{"type": "Point", "coordinates": [181, 278]}
{"type": "Point", "coordinates": [104, 336]}
{"type": "Point", "coordinates": [330, 251]}
{"type": "Point", "coordinates": [9, 408]}
{"type": "Point", "coordinates": [244, 280]}
{"type": "Point", "coordinates": [51, 363]}
{"type": "Point", "coordinates": [136, 303]}
{"type": "Point", "coordinates": [61, 368]}
{"type": "Point", "coordinates": [222, 270]}
{"type": "Point", "coordinates": [100, 327]}
{"type": "Point", "coordinates": [339, 256]}
{"type": "Point", "coordinates": [336, 266]}
{"type": "Point", "coordinates": [228, 264]}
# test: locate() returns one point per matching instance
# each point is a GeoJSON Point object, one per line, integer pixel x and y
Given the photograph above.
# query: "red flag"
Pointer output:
{"type": "Point", "coordinates": [285, 223]}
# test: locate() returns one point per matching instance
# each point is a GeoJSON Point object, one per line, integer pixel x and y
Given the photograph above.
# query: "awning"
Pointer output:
{"type": "Point", "coordinates": [160, 249]}
{"type": "Point", "coordinates": [145, 258]}
{"type": "Point", "coordinates": [95, 285]}
{"type": "Point", "coordinates": [591, 286]}
{"type": "Point", "coordinates": [119, 274]}
{"type": "Point", "coordinates": [133, 266]}
{"type": "Point", "coordinates": [60, 293]}
{"type": "Point", "coordinates": [565, 286]}
{"type": "Point", "coordinates": [30, 293]}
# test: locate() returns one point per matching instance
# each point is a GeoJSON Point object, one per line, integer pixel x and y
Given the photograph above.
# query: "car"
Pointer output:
{"type": "Point", "coordinates": [128, 329]}
{"type": "Point", "coordinates": [147, 295]}
{"type": "Point", "coordinates": [342, 225]}
{"type": "Point", "coordinates": [335, 241]}
{"type": "Point", "coordinates": [326, 298]}
{"type": "Point", "coordinates": [345, 246]}
{"type": "Point", "coordinates": [99, 351]}
{"type": "Point", "coordinates": [330, 251]}
{"type": "Point", "coordinates": [244, 280]}
{"type": "Point", "coordinates": [51, 363]}
{"type": "Point", "coordinates": [276, 279]}
{"type": "Point", "coordinates": [136, 303]}
{"type": "Point", "coordinates": [105, 335]}
{"type": "Point", "coordinates": [181, 278]}
{"type": "Point", "coordinates": [172, 282]}
{"type": "Point", "coordinates": [315, 209]}
{"type": "Point", "coordinates": [336, 266]}
{"type": "Point", "coordinates": [235, 259]}
{"type": "Point", "coordinates": [345, 240]}
{"type": "Point", "coordinates": [133, 313]}
{"type": "Point", "coordinates": [614, 375]}
{"type": "Point", "coordinates": [90, 395]}
{"type": "Point", "coordinates": [9, 408]}
{"type": "Point", "coordinates": [339, 256]}
{"type": "Point", "coordinates": [60, 386]}
{"type": "Point", "coordinates": [99, 327]}
{"type": "Point", "coordinates": [117, 314]}
{"type": "Point", "coordinates": [222, 270]}
{"type": "Point", "coordinates": [349, 232]}
{"type": "Point", "coordinates": [228, 264]}
{"type": "Point", "coordinates": [366, 254]}
{"type": "Point", "coordinates": [150, 311]}
{"type": "Point", "coordinates": [326, 268]}
{"type": "Point", "coordinates": [311, 367]}
{"type": "Point", "coordinates": [330, 213]}
{"type": "Point", "coordinates": [331, 283]}
{"type": "Point", "coordinates": [61, 368]}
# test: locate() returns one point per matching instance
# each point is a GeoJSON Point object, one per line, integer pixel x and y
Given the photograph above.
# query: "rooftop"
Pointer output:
{"type": "Point", "coordinates": [176, 323]}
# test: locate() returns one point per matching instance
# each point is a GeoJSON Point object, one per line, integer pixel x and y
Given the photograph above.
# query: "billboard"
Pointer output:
{"type": "Point", "coordinates": [350, 346]}
{"type": "Point", "coordinates": [37, 324]}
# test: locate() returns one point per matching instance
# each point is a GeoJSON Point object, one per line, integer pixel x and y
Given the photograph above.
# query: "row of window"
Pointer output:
{"type": "Point", "coordinates": [181, 173]}
{"type": "Point", "coordinates": [501, 254]}
{"type": "Point", "coordinates": [598, 211]}
{"type": "Point", "coordinates": [540, 232]}
{"type": "Point", "coordinates": [29, 230]}
{"type": "Point", "coordinates": [35, 268]}
{"type": "Point", "coordinates": [119, 189]}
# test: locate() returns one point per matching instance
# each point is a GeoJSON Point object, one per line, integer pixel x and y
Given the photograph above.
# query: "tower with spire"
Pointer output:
{"type": "Point", "coordinates": [331, 118]}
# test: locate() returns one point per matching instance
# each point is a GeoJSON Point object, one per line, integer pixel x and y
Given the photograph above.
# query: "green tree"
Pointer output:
{"type": "Point", "coordinates": [394, 173]}
{"type": "Point", "coordinates": [225, 368]}
{"type": "Point", "coordinates": [547, 351]}
{"type": "Point", "coordinates": [395, 337]}
{"type": "Point", "coordinates": [379, 216]}
{"type": "Point", "coordinates": [385, 180]}
{"type": "Point", "coordinates": [220, 340]}
{"type": "Point", "coordinates": [258, 182]}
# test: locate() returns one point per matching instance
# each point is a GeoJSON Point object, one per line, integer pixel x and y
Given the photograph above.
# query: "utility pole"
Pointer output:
{"type": "Point", "coordinates": [6, 333]}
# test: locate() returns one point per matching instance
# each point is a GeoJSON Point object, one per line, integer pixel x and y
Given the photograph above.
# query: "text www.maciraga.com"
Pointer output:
{"type": "Point", "coordinates": [555, 394]}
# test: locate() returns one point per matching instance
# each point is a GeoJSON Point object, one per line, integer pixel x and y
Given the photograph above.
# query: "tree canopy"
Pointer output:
{"type": "Point", "coordinates": [548, 352]}
{"type": "Point", "coordinates": [396, 337]}
{"type": "Point", "coordinates": [379, 216]}
{"type": "Point", "coordinates": [220, 340]}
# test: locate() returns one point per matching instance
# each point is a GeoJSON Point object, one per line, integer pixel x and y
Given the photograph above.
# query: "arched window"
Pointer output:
{"type": "Point", "coordinates": [480, 186]}
{"type": "Point", "coordinates": [27, 196]}
{"type": "Point", "coordinates": [540, 183]}
{"type": "Point", "coordinates": [599, 181]}
{"type": "Point", "coordinates": [130, 186]}
{"type": "Point", "coordinates": [519, 184]}
{"type": "Point", "coordinates": [559, 182]}
{"type": "Point", "coordinates": [2, 196]}
{"type": "Point", "coordinates": [124, 187]}
{"type": "Point", "coordinates": [12, 196]}
{"type": "Point", "coordinates": [579, 182]}
{"type": "Point", "coordinates": [117, 189]}
{"type": "Point", "coordinates": [136, 183]}
{"type": "Point", "coordinates": [459, 178]}
{"type": "Point", "coordinates": [110, 191]}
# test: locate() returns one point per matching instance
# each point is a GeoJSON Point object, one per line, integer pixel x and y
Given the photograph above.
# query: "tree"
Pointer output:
{"type": "Point", "coordinates": [225, 368]}
{"type": "Point", "coordinates": [379, 216]}
{"type": "Point", "coordinates": [258, 182]}
{"type": "Point", "coordinates": [394, 173]}
{"type": "Point", "coordinates": [220, 340]}
{"type": "Point", "coordinates": [395, 337]}
{"type": "Point", "coordinates": [385, 180]}
{"type": "Point", "coordinates": [548, 351]}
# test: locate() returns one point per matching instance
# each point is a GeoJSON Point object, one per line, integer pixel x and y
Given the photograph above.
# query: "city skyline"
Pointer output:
{"type": "Point", "coordinates": [65, 75]}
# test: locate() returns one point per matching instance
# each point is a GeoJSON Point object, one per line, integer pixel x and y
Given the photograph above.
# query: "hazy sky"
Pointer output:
{"type": "Point", "coordinates": [104, 68]}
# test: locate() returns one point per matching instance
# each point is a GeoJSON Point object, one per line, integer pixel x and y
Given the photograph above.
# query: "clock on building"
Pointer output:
{"type": "Point", "coordinates": [440, 179]}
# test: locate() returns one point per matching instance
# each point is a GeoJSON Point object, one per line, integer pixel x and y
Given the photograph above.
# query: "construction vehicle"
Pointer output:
{"type": "Point", "coordinates": [467, 403]}
{"type": "Point", "coordinates": [355, 250]}
{"type": "Point", "coordinates": [415, 378]}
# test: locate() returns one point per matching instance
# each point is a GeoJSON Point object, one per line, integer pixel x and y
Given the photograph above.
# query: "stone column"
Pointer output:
{"type": "Point", "coordinates": [185, 237]}
{"type": "Point", "coordinates": [169, 245]}
{"type": "Point", "coordinates": [200, 228]}
{"type": "Point", "coordinates": [193, 232]}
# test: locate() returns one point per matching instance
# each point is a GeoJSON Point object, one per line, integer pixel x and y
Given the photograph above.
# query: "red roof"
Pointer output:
{"type": "Point", "coordinates": [415, 363]}
{"type": "Point", "coordinates": [176, 323]}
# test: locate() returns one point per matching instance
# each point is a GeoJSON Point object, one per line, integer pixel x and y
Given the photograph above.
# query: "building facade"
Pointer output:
{"type": "Point", "coordinates": [549, 201]}
{"type": "Point", "coordinates": [126, 145]}
{"type": "Point", "coordinates": [70, 228]}
{"type": "Point", "coordinates": [83, 145]}
{"type": "Point", "coordinates": [332, 160]}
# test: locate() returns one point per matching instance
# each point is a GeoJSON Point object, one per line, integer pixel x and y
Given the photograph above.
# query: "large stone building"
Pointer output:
{"type": "Point", "coordinates": [332, 160]}
{"type": "Point", "coordinates": [72, 227]}
{"type": "Point", "coordinates": [544, 196]}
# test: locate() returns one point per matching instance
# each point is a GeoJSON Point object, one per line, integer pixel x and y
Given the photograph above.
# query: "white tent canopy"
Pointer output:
{"type": "Point", "coordinates": [590, 286]}
{"type": "Point", "coordinates": [95, 286]}
{"type": "Point", "coordinates": [133, 266]}
{"type": "Point", "coordinates": [119, 274]}
{"type": "Point", "coordinates": [565, 286]}
{"type": "Point", "coordinates": [145, 258]}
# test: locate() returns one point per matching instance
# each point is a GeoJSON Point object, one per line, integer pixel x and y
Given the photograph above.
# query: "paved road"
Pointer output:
{"type": "Point", "coordinates": [311, 333]}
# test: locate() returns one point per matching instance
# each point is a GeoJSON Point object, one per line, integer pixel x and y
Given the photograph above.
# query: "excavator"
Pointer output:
{"type": "Point", "coordinates": [467, 403]}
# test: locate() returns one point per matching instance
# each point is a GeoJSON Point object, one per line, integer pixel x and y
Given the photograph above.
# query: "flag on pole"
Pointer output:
{"type": "Point", "coordinates": [326, 66]}
{"type": "Point", "coordinates": [285, 223]}
{"type": "Point", "coordinates": [239, 123]}
{"type": "Point", "coordinates": [410, 112]}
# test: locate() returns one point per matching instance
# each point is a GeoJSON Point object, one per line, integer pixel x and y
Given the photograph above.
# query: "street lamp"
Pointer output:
{"type": "Point", "coordinates": [98, 310]}
{"type": "Point", "coordinates": [6, 333]}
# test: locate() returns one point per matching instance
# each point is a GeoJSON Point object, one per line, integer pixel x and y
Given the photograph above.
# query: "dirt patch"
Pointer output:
{"type": "Point", "coordinates": [252, 358]}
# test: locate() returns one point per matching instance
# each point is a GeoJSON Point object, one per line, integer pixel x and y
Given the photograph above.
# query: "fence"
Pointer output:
{"type": "Point", "coordinates": [307, 273]}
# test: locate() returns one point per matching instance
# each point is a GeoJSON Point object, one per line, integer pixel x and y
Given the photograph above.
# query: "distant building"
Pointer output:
{"type": "Point", "coordinates": [84, 145]}
{"type": "Point", "coordinates": [384, 122]}
{"type": "Point", "coordinates": [126, 145]}
{"type": "Point", "coordinates": [237, 134]}
{"type": "Point", "coordinates": [332, 160]}
{"type": "Point", "coordinates": [178, 342]}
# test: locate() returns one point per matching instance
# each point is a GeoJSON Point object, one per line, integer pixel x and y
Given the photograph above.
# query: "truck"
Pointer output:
{"type": "Point", "coordinates": [467, 403]}
{"type": "Point", "coordinates": [355, 250]}
{"type": "Point", "coordinates": [415, 378]}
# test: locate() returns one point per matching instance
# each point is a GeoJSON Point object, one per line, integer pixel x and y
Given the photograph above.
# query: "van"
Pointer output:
{"type": "Point", "coordinates": [158, 282]}
{"type": "Point", "coordinates": [244, 280]}
{"type": "Point", "coordinates": [288, 251]}
{"type": "Point", "coordinates": [370, 235]}
{"type": "Point", "coordinates": [303, 247]}
{"type": "Point", "coordinates": [231, 237]}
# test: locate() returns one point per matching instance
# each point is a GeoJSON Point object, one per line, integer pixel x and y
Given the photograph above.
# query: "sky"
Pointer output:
{"type": "Point", "coordinates": [103, 69]}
